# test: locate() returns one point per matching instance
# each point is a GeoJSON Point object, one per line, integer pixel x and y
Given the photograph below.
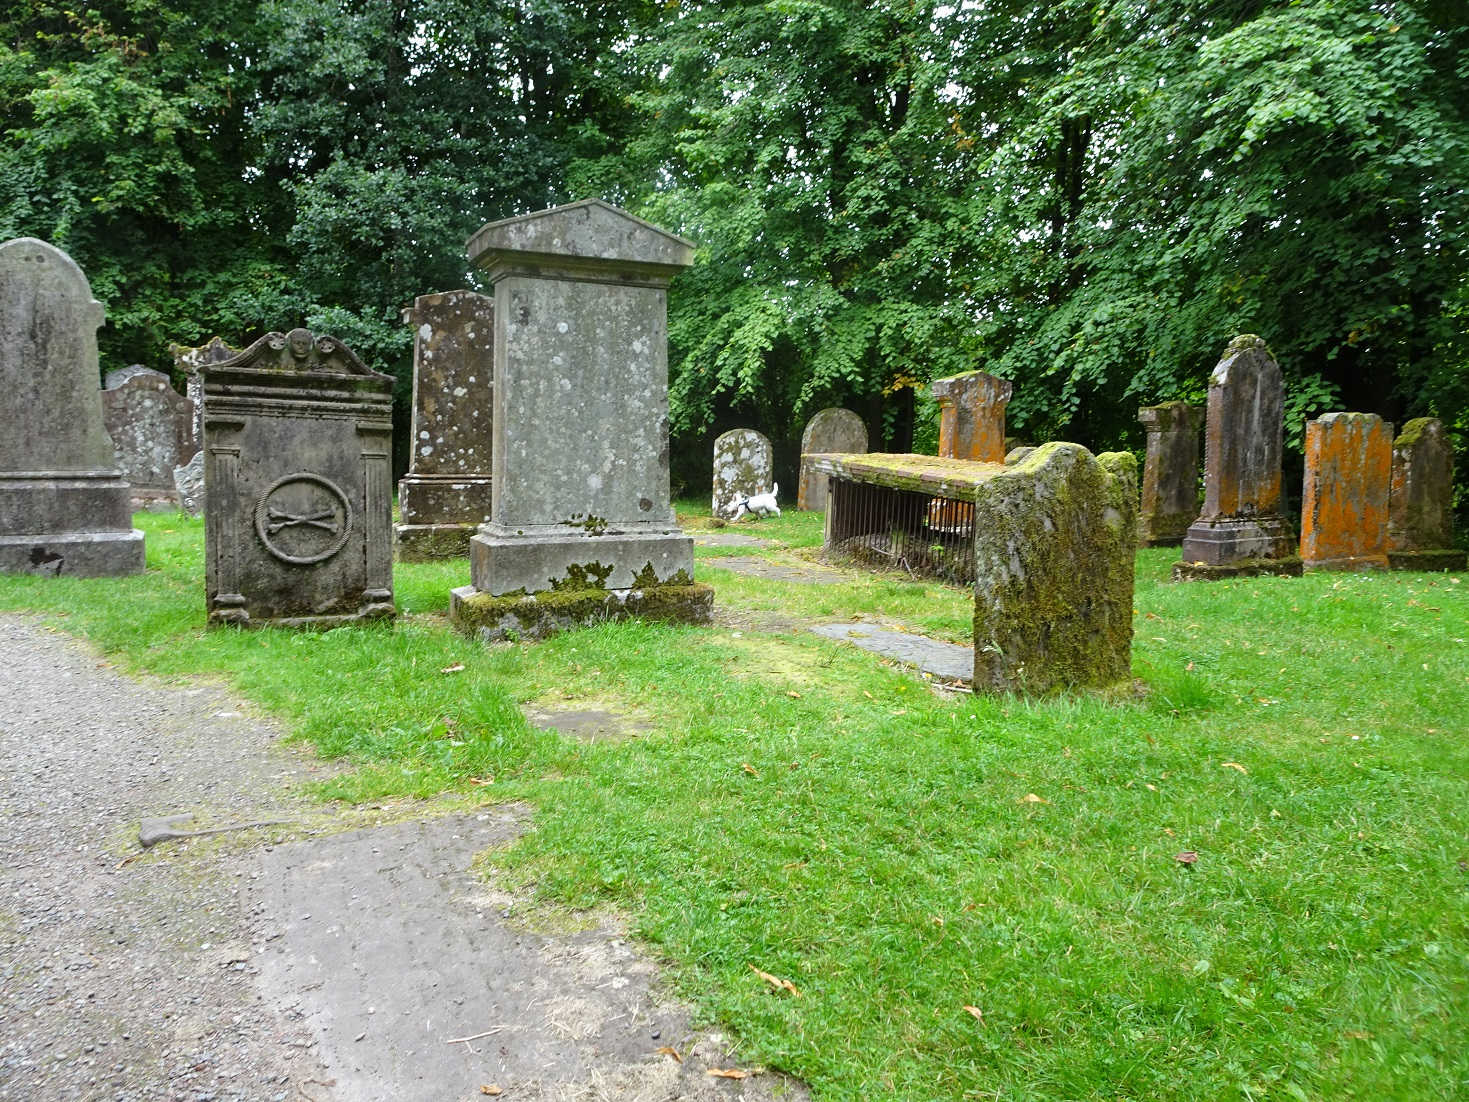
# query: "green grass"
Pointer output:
{"type": "Point", "coordinates": [800, 808]}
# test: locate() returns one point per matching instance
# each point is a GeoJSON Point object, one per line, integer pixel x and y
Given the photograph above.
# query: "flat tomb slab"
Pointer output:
{"type": "Point", "coordinates": [957, 479]}
{"type": "Point", "coordinates": [520, 616]}
{"type": "Point", "coordinates": [947, 661]}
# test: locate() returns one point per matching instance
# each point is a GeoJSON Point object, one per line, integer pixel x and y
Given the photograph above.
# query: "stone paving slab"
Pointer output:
{"type": "Point", "coordinates": [945, 661]}
{"type": "Point", "coordinates": [730, 539]}
{"type": "Point", "coordinates": [803, 574]}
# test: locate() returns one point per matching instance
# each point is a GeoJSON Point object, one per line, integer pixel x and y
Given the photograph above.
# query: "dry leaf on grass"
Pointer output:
{"type": "Point", "coordinates": [793, 694]}
{"type": "Point", "coordinates": [481, 782]}
{"type": "Point", "coordinates": [1031, 798]}
{"type": "Point", "coordinates": [669, 1050]}
{"type": "Point", "coordinates": [776, 982]}
{"type": "Point", "coordinates": [977, 1012]}
{"type": "Point", "coordinates": [1234, 765]}
{"type": "Point", "coordinates": [1187, 857]}
{"type": "Point", "coordinates": [490, 1088]}
{"type": "Point", "coordinates": [457, 667]}
{"type": "Point", "coordinates": [727, 1073]}
{"type": "Point", "coordinates": [750, 769]}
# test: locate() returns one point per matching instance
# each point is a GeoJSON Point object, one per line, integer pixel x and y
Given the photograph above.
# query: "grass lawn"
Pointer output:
{"type": "Point", "coordinates": [973, 897]}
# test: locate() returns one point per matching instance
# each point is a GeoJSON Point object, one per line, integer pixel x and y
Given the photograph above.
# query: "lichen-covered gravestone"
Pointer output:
{"type": "Point", "coordinates": [298, 466]}
{"type": "Point", "coordinates": [152, 428]}
{"type": "Point", "coordinates": [831, 431]}
{"type": "Point", "coordinates": [1420, 526]}
{"type": "Point", "coordinates": [581, 524]}
{"type": "Point", "coordinates": [1241, 529]}
{"type": "Point", "coordinates": [1055, 539]}
{"type": "Point", "coordinates": [744, 464]}
{"type": "Point", "coordinates": [188, 477]}
{"type": "Point", "coordinates": [63, 502]}
{"type": "Point", "coordinates": [972, 416]}
{"type": "Point", "coordinates": [1170, 493]}
{"type": "Point", "coordinates": [446, 493]}
{"type": "Point", "coordinates": [1344, 499]}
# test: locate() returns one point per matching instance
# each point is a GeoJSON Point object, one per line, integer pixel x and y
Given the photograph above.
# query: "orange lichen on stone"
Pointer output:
{"type": "Point", "coordinates": [1344, 507]}
{"type": "Point", "coordinates": [972, 416]}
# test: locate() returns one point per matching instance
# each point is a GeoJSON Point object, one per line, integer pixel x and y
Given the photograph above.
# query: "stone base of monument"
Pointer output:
{"type": "Point", "coordinates": [504, 561]}
{"type": "Point", "coordinates": [518, 616]}
{"type": "Point", "coordinates": [232, 609]}
{"type": "Point", "coordinates": [73, 554]}
{"type": "Point", "coordinates": [153, 499]}
{"type": "Point", "coordinates": [1346, 564]}
{"type": "Point", "coordinates": [1163, 529]}
{"type": "Point", "coordinates": [1240, 568]}
{"type": "Point", "coordinates": [430, 542]}
{"type": "Point", "coordinates": [1437, 560]}
{"type": "Point", "coordinates": [1232, 546]}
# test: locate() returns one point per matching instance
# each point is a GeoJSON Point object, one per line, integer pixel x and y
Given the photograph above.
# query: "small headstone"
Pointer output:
{"type": "Point", "coordinates": [744, 465]}
{"type": "Point", "coordinates": [831, 430]}
{"type": "Point", "coordinates": [152, 428]}
{"type": "Point", "coordinates": [1344, 500]}
{"type": "Point", "coordinates": [446, 493]}
{"type": "Point", "coordinates": [1055, 539]}
{"type": "Point", "coordinates": [1420, 525]}
{"type": "Point", "coordinates": [189, 361]}
{"type": "Point", "coordinates": [298, 460]}
{"type": "Point", "coordinates": [972, 416]}
{"type": "Point", "coordinates": [581, 523]}
{"type": "Point", "coordinates": [1241, 529]}
{"type": "Point", "coordinates": [63, 502]}
{"type": "Point", "coordinates": [1170, 494]}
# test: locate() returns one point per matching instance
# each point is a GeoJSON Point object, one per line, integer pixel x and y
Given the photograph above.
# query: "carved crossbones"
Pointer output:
{"type": "Point", "coordinates": [283, 519]}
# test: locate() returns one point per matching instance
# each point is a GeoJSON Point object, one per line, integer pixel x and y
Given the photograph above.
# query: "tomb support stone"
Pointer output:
{"type": "Point", "coordinates": [972, 416]}
{"type": "Point", "coordinates": [1170, 494]}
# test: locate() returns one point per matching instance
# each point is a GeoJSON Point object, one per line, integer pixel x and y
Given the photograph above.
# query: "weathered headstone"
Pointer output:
{"type": "Point", "coordinates": [188, 477]}
{"type": "Point", "coordinates": [446, 493]}
{"type": "Point", "coordinates": [63, 502]}
{"type": "Point", "coordinates": [744, 465]}
{"type": "Point", "coordinates": [298, 462]}
{"type": "Point", "coordinates": [1170, 494]}
{"type": "Point", "coordinates": [1344, 499]}
{"type": "Point", "coordinates": [1055, 538]}
{"type": "Point", "coordinates": [581, 524]}
{"type": "Point", "coordinates": [1420, 525]}
{"type": "Point", "coordinates": [972, 416]}
{"type": "Point", "coordinates": [831, 430]}
{"type": "Point", "coordinates": [152, 428]}
{"type": "Point", "coordinates": [1241, 529]}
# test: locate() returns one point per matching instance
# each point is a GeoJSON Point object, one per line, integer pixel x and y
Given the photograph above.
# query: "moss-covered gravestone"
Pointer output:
{"type": "Point", "coordinates": [63, 502]}
{"type": "Point", "coordinates": [581, 523]}
{"type": "Point", "coordinates": [152, 429]}
{"type": "Point", "coordinates": [832, 431]}
{"type": "Point", "coordinates": [1055, 539]}
{"type": "Point", "coordinates": [744, 465]}
{"type": "Point", "coordinates": [972, 416]}
{"type": "Point", "coordinates": [1344, 497]}
{"type": "Point", "coordinates": [1170, 492]}
{"type": "Point", "coordinates": [1420, 528]}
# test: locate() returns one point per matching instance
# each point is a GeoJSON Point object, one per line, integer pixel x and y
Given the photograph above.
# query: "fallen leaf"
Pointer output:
{"type": "Point", "coordinates": [1150, 787]}
{"type": "Point", "coordinates": [750, 769]}
{"type": "Point", "coordinates": [1187, 857]}
{"type": "Point", "coordinates": [793, 694]}
{"type": "Point", "coordinates": [977, 1012]}
{"type": "Point", "coordinates": [490, 1088]}
{"type": "Point", "coordinates": [727, 1073]}
{"type": "Point", "coordinates": [481, 782]}
{"type": "Point", "coordinates": [457, 667]}
{"type": "Point", "coordinates": [669, 1050]}
{"type": "Point", "coordinates": [1189, 666]}
{"type": "Point", "coordinates": [1168, 831]}
{"type": "Point", "coordinates": [1234, 765]}
{"type": "Point", "coordinates": [776, 982]}
{"type": "Point", "coordinates": [866, 694]}
{"type": "Point", "coordinates": [1031, 798]}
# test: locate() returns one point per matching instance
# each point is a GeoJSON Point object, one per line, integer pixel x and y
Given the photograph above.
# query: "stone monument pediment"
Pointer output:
{"type": "Point", "coordinates": [590, 230]}
{"type": "Point", "coordinates": [298, 350]}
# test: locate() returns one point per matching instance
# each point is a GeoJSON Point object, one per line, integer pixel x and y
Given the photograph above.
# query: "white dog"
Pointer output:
{"type": "Point", "coordinates": [762, 505]}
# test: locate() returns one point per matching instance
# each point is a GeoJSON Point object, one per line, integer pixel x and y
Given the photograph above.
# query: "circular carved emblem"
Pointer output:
{"type": "Point", "coordinates": [303, 518]}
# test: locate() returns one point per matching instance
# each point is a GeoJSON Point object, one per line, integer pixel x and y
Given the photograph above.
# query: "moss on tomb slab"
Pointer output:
{"type": "Point", "coordinates": [522, 616]}
{"type": "Point", "coordinates": [1240, 568]}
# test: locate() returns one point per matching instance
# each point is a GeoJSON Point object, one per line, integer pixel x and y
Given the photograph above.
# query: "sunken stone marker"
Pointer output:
{"type": "Point", "coordinates": [1344, 500]}
{"type": "Point", "coordinates": [297, 447]}
{"type": "Point", "coordinates": [972, 416]}
{"type": "Point", "coordinates": [1055, 539]}
{"type": "Point", "coordinates": [581, 524]}
{"type": "Point", "coordinates": [152, 428]}
{"type": "Point", "coordinates": [1241, 529]}
{"type": "Point", "coordinates": [831, 430]}
{"type": "Point", "coordinates": [188, 477]}
{"type": "Point", "coordinates": [63, 502]}
{"type": "Point", "coordinates": [1420, 524]}
{"type": "Point", "coordinates": [1170, 494]}
{"type": "Point", "coordinates": [744, 465]}
{"type": "Point", "coordinates": [446, 495]}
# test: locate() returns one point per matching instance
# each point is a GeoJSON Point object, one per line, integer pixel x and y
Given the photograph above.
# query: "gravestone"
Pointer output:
{"type": "Point", "coordinates": [581, 523]}
{"type": "Point", "coordinates": [1344, 499]}
{"type": "Point", "coordinates": [831, 430]}
{"type": "Point", "coordinates": [298, 470]}
{"type": "Point", "coordinates": [188, 477]}
{"type": "Point", "coordinates": [744, 464]}
{"type": "Point", "coordinates": [446, 494]}
{"type": "Point", "coordinates": [1420, 524]}
{"type": "Point", "coordinates": [152, 428]}
{"type": "Point", "coordinates": [972, 416]}
{"type": "Point", "coordinates": [63, 502]}
{"type": "Point", "coordinates": [1170, 494]}
{"type": "Point", "coordinates": [1241, 530]}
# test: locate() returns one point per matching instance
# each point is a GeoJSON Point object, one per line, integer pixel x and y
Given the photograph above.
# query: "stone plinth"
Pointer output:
{"type": "Point", "coordinates": [744, 465]}
{"type": "Point", "coordinates": [972, 416]}
{"type": "Point", "coordinates": [1420, 525]}
{"type": "Point", "coordinates": [1241, 529]}
{"type": "Point", "coordinates": [152, 429]}
{"type": "Point", "coordinates": [580, 498]}
{"type": "Point", "coordinates": [1170, 492]}
{"type": "Point", "coordinates": [64, 505]}
{"type": "Point", "coordinates": [298, 475]}
{"type": "Point", "coordinates": [830, 431]}
{"type": "Point", "coordinates": [446, 493]}
{"type": "Point", "coordinates": [1344, 499]}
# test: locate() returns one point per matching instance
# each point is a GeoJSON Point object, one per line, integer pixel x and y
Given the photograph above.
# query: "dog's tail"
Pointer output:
{"type": "Point", "coordinates": [775, 489]}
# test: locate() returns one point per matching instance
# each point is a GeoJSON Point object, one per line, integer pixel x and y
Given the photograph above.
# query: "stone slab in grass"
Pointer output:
{"type": "Point", "coordinates": [945, 661]}
{"type": "Point", "coordinates": [730, 539]}
{"type": "Point", "coordinates": [779, 572]}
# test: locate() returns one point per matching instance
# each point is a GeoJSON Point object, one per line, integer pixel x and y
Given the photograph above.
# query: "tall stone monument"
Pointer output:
{"type": "Point", "coordinates": [446, 495]}
{"type": "Point", "coordinates": [188, 477]}
{"type": "Point", "coordinates": [298, 469]}
{"type": "Point", "coordinates": [972, 416]}
{"type": "Point", "coordinates": [63, 502]}
{"type": "Point", "coordinates": [1344, 498]}
{"type": "Point", "coordinates": [581, 523]}
{"type": "Point", "coordinates": [152, 428]}
{"type": "Point", "coordinates": [1170, 495]}
{"type": "Point", "coordinates": [744, 465]}
{"type": "Point", "coordinates": [1241, 529]}
{"type": "Point", "coordinates": [1420, 525]}
{"type": "Point", "coordinates": [830, 431]}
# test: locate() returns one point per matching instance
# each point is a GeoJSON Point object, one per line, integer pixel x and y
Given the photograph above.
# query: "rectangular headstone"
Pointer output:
{"type": "Point", "coordinates": [1170, 492]}
{"type": "Point", "coordinates": [1344, 500]}
{"type": "Point", "coordinates": [972, 416]}
{"type": "Point", "coordinates": [1420, 526]}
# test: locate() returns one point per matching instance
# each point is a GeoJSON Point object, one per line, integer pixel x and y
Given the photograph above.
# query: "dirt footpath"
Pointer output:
{"type": "Point", "coordinates": [319, 961]}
